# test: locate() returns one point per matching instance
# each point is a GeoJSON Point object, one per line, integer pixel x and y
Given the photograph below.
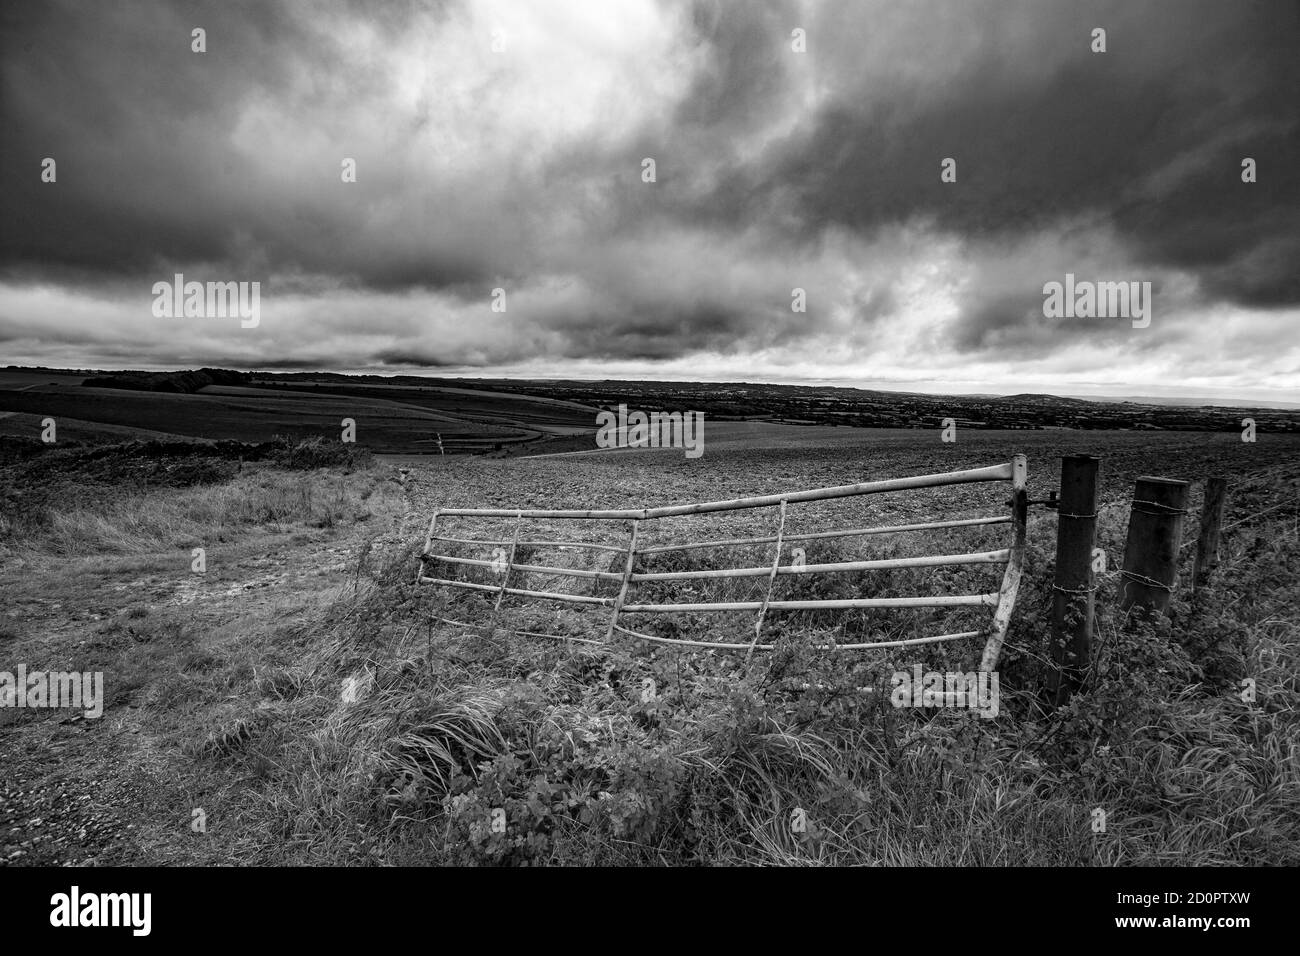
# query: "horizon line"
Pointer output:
{"type": "Point", "coordinates": [974, 390]}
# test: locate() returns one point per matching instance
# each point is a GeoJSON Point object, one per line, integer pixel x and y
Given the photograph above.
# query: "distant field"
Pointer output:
{"type": "Point", "coordinates": [26, 378]}
{"type": "Point", "coordinates": [407, 415]}
{"type": "Point", "coordinates": [539, 416]}
{"type": "Point", "coordinates": [243, 414]}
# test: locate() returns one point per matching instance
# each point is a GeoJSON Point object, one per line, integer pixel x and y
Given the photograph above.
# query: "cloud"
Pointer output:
{"type": "Point", "coordinates": [520, 168]}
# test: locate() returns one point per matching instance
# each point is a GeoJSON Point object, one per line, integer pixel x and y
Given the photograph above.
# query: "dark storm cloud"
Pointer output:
{"type": "Point", "coordinates": [745, 73]}
{"type": "Point", "coordinates": [775, 169]}
{"type": "Point", "coordinates": [110, 91]}
{"type": "Point", "coordinates": [141, 129]}
{"type": "Point", "coordinates": [1147, 138]}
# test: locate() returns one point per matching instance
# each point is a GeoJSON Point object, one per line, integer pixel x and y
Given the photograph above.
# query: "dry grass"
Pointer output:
{"type": "Point", "coordinates": [141, 522]}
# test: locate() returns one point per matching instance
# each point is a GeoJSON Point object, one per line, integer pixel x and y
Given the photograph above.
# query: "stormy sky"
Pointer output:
{"type": "Point", "coordinates": [501, 145]}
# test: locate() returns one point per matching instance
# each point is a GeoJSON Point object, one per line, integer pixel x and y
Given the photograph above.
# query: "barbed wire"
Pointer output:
{"type": "Point", "coordinates": [1091, 590]}
{"type": "Point", "coordinates": [1148, 582]}
{"type": "Point", "coordinates": [1164, 509]}
{"type": "Point", "coordinates": [1257, 514]}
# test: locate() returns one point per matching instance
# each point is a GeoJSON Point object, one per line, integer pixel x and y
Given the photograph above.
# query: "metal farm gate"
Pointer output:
{"type": "Point", "coordinates": [1000, 601]}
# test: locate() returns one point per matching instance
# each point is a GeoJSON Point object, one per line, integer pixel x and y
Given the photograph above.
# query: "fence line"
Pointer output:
{"type": "Point", "coordinates": [1001, 600]}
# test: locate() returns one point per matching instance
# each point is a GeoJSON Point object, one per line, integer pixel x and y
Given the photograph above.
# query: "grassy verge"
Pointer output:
{"type": "Point", "coordinates": [142, 498]}
{"type": "Point", "coordinates": [144, 522]}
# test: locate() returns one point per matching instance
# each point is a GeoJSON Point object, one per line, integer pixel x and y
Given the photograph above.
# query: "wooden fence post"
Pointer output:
{"type": "Point", "coordinates": [1155, 530]}
{"type": "Point", "coordinates": [1072, 592]}
{"type": "Point", "coordinates": [1015, 564]}
{"type": "Point", "coordinates": [1207, 545]}
{"type": "Point", "coordinates": [771, 581]}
